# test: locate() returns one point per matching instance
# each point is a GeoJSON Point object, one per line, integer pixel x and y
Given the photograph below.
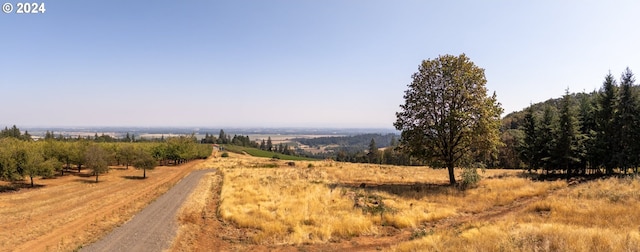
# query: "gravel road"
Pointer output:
{"type": "Point", "coordinates": [155, 226]}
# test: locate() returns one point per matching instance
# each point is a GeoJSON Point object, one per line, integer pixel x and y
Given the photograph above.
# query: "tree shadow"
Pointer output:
{"type": "Point", "coordinates": [84, 175]}
{"type": "Point", "coordinates": [17, 186]}
{"type": "Point", "coordinates": [405, 190]}
{"type": "Point", "coordinates": [87, 181]}
{"type": "Point", "coordinates": [571, 179]}
{"type": "Point", "coordinates": [134, 177]}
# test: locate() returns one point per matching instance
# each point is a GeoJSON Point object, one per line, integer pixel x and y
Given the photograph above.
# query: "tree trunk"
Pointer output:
{"type": "Point", "coordinates": [31, 180]}
{"type": "Point", "coordinates": [452, 176]}
{"type": "Point", "coordinates": [144, 173]}
{"type": "Point", "coordinates": [96, 177]}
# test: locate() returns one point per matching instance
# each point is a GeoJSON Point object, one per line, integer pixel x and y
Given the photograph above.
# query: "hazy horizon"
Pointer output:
{"type": "Point", "coordinates": [329, 64]}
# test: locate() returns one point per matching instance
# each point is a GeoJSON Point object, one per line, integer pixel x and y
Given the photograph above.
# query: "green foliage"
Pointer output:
{"type": "Point", "coordinates": [470, 178]}
{"type": "Point", "coordinates": [20, 159]}
{"type": "Point", "coordinates": [261, 153]}
{"type": "Point", "coordinates": [591, 131]}
{"type": "Point", "coordinates": [225, 154]}
{"type": "Point", "coordinates": [126, 154]}
{"type": "Point", "coordinates": [144, 160]}
{"type": "Point", "coordinates": [448, 116]}
{"type": "Point", "coordinates": [373, 154]}
{"type": "Point", "coordinates": [97, 159]}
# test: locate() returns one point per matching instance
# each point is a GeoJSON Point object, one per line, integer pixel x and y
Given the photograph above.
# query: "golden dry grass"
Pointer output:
{"type": "Point", "coordinates": [302, 205]}
{"type": "Point", "coordinates": [594, 216]}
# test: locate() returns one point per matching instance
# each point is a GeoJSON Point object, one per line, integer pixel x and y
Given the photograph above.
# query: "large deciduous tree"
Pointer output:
{"type": "Point", "coordinates": [447, 116]}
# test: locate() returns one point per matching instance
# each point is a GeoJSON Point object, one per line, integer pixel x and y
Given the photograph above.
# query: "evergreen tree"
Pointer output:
{"type": "Point", "coordinates": [269, 144]}
{"type": "Point", "coordinates": [529, 148]}
{"type": "Point", "coordinates": [605, 145]}
{"type": "Point", "coordinates": [568, 144]}
{"type": "Point", "coordinates": [626, 123]}
{"type": "Point", "coordinates": [263, 145]}
{"type": "Point", "coordinates": [546, 138]}
{"type": "Point", "coordinates": [587, 120]}
{"type": "Point", "coordinates": [222, 137]}
{"type": "Point", "coordinates": [372, 155]}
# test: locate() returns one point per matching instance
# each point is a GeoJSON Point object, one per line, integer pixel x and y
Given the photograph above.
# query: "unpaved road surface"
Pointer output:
{"type": "Point", "coordinates": [154, 227]}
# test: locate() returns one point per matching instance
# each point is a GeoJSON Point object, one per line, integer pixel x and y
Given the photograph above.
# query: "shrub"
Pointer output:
{"type": "Point", "coordinates": [470, 178]}
{"type": "Point", "coordinates": [225, 154]}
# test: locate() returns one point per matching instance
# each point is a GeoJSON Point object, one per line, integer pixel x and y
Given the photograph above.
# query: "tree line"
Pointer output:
{"type": "Point", "coordinates": [21, 157]}
{"type": "Point", "coordinates": [582, 133]}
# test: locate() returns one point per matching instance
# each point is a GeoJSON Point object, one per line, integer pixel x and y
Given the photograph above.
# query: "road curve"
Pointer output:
{"type": "Point", "coordinates": [153, 228]}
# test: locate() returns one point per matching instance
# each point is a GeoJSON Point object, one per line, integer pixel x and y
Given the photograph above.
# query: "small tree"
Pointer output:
{"type": "Point", "coordinates": [374, 153]}
{"type": "Point", "coordinates": [127, 154]}
{"type": "Point", "coordinates": [97, 160]}
{"type": "Point", "coordinates": [34, 163]}
{"type": "Point", "coordinates": [145, 161]}
{"type": "Point", "coordinates": [269, 144]}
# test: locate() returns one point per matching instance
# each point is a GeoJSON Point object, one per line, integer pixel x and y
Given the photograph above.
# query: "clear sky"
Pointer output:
{"type": "Point", "coordinates": [296, 63]}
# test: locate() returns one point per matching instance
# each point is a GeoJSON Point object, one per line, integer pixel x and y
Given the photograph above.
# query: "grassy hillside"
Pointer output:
{"type": "Point", "coordinates": [261, 153]}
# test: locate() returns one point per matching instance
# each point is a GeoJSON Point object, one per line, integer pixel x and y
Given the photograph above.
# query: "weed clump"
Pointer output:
{"type": "Point", "coordinates": [225, 154]}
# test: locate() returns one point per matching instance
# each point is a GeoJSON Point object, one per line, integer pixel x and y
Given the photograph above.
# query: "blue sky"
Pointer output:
{"type": "Point", "coordinates": [292, 63]}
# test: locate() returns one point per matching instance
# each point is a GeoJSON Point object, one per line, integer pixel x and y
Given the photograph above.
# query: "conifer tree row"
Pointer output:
{"type": "Point", "coordinates": [596, 133]}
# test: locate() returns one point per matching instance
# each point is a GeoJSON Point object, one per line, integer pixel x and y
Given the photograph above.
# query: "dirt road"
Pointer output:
{"type": "Point", "coordinates": [154, 227]}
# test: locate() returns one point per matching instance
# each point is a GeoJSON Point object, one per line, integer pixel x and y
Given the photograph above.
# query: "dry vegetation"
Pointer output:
{"type": "Point", "coordinates": [258, 204]}
{"type": "Point", "coordinates": [594, 216]}
{"type": "Point", "coordinates": [325, 205]}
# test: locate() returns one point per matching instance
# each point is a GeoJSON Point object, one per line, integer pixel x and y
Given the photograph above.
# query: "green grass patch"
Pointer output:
{"type": "Point", "coordinates": [262, 153]}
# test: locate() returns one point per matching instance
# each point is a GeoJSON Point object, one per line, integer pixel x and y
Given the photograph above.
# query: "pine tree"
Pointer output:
{"type": "Point", "coordinates": [587, 120]}
{"type": "Point", "coordinates": [269, 144]}
{"type": "Point", "coordinates": [222, 137]}
{"type": "Point", "coordinates": [626, 122]}
{"type": "Point", "coordinates": [546, 138]}
{"type": "Point", "coordinates": [373, 152]}
{"type": "Point", "coordinates": [605, 145]}
{"type": "Point", "coordinates": [529, 149]}
{"type": "Point", "coordinates": [568, 142]}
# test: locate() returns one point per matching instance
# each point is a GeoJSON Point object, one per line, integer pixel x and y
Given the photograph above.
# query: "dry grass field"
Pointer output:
{"type": "Point", "coordinates": [256, 204]}
{"type": "Point", "coordinates": [328, 206]}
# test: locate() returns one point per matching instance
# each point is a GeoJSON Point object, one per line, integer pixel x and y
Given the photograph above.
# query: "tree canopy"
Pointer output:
{"type": "Point", "coordinates": [447, 118]}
